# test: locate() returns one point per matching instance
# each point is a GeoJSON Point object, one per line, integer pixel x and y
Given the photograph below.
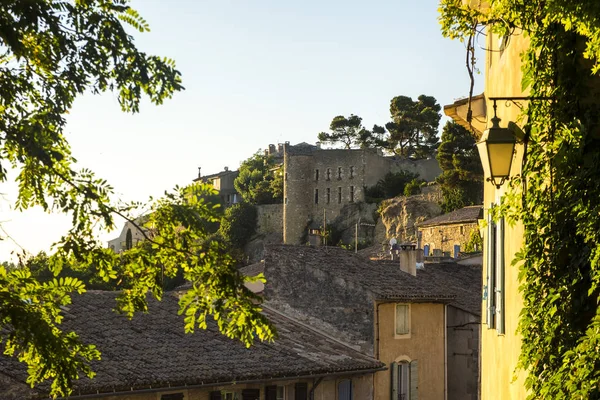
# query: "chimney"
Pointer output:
{"type": "Point", "coordinates": [280, 148]}
{"type": "Point", "coordinates": [318, 144]}
{"type": "Point", "coordinates": [199, 172]}
{"type": "Point", "coordinates": [271, 149]}
{"type": "Point", "coordinates": [226, 168]}
{"type": "Point", "coordinates": [408, 258]}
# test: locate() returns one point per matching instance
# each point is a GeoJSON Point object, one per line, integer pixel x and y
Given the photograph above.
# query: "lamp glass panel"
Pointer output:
{"type": "Point", "coordinates": [485, 160]}
{"type": "Point", "coordinates": [501, 155]}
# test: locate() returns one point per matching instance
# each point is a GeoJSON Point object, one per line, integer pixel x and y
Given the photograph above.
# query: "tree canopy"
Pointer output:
{"type": "Point", "coordinates": [412, 132]}
{"type": "Point", "coordinates": [260, 180]}
{"type": "Point", "coordinates": [348, 131]}
{"type": "Point", "coordinates": [461, 180]}
{"type": "Point", "coordinates": [52, 52]}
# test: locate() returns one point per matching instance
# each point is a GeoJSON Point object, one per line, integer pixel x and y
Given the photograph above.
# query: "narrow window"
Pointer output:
{"type": "Point", "coordinates": [328, 195]}
{"type": "Point", "coordinates": [405, 380]}
{"type": "Point", "coordinates": [345, 390]}
{"type": "Point", "coordinates": [402, 319]}
{"type": "Point", "coordinates": [285, 200]}
{"type": "Point", "coordinates": [494, 289]}
{"type": "Point", "coordinates": [286, 176]}
{"type": "Point", "coordinates": [339, 195]}
{"type": "Point", "coordinates": [251, 394]}
{"type": "Point", "coordinates": [316, 174]}
{"type": "Point", "coordinates": [461, 230]}
{"type": "Point", "coordinates": [339, 173]}
{"type": "Point", "coordinates": [275, 392]}
{"type": "Point", "coordinates": [172, 396]}
{"type": "Point", "coordinates": [328, 174]}
{"type": "Point", "coordinates": [351, 172]}
{"type": "Point", "coordinates": [316, 196]}
{"type": "Point", "coordinates": [351, 194]}
{"type": "Point", "coordinates": [301, 391]}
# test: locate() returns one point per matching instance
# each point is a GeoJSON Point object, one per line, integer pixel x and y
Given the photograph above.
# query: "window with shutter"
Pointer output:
{"type": "Point", "coordinates": [493, 293]}
{"type": "Point", "coordinates": [172, 396]}
{"type": "Point", "coordinates": [301, 391]}
{"type": "Point", "coordinates": [405, 380]}
{"type": "Point", "coordinates": [251, 394]}
{"type": "Point", "coordinates": [345, 390]}
{"type": "Point", "coordinates": [215, 395]}
{"type": "Point", "coordinates": [402, 320]}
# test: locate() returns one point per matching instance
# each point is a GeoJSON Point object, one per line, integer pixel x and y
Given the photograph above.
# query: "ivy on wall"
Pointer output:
{"type": "Point", "coordinates": [557, 197]}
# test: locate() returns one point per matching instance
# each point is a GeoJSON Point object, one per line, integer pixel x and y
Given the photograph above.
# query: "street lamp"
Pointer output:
{"type": "Point", "coordinates": [496, 150]}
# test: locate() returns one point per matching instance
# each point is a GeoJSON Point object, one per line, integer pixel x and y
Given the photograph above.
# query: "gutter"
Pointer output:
{"type": "Point", "coordinates": [224, 383]}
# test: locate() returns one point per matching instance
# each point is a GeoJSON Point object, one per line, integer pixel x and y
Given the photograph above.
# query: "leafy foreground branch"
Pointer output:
{"type": "Point", "coordinates": [556, 198]}
{"type": "Point", "coordinates": [50, 52]}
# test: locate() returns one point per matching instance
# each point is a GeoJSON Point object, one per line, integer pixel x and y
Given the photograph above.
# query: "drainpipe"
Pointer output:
{"type": "Point", "coordinates": [316, 383]}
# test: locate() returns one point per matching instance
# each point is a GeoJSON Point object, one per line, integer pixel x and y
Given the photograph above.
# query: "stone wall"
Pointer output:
{"type": "Point", "coordinates": [269, 219]}
{"type": "Point", "coordinates": [463, 354]}
{"type": "Point", "coordinates": [444, 237]}
{"type": "Point", "coordinates": [327, 302]}
{"type": "Point", "coordinates": [428, 169]}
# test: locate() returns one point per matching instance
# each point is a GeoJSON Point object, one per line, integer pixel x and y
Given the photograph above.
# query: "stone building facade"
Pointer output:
{"type": "Point", "coordinates": [448, 234]}
{"type": "Point", "coordinates": [223, 182]}
{"type": "Point", "coordinates": [318, 183]}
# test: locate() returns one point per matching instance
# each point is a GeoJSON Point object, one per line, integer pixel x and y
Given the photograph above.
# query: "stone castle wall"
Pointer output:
{"type": "Point", "coordinates": [269, 219]}
{"type": "Point", "coordinates": [318, 183]}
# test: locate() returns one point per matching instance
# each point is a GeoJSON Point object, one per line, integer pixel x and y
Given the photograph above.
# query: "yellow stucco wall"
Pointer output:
{"type": "Point", "coordinates": [426, 344]}
{"type": "Point", "coordinates": [499, 353]}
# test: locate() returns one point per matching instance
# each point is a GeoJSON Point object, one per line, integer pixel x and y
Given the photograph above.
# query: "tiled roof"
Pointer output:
{"type": "Point", "coordinates": [216, 175]}
{"type": "Point", "coordinates": [465, 214]}
{"type": "Point", "coordinates": [253, 269]}
{"type": "Point", "coordinates": [152, 350]}
{"type": "Point", "coordinates": [458, 285]}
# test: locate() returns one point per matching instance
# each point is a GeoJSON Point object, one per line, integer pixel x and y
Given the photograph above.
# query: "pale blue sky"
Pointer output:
{"type": "Point", "coordinates": [255, 72]}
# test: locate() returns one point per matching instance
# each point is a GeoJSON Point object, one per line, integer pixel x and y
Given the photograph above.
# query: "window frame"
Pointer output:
{"type": "Point", "coordinates": [494, 289]}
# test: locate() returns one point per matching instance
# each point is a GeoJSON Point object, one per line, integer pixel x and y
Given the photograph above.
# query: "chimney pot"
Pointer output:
{"type": "Point", "coordinates": [226, 168]}
{"type": "Point", "coordinates": [199, 172]}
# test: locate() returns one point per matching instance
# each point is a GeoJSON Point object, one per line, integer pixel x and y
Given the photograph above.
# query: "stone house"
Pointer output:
{"type": "Point", "coordinates": [223, 182]}
{"type": "Point", "coordinates": [424, 327]}
{"type": "Point", "coordinates": [448, 234]}
{"type": "Point", "coordinates": [318, 183]}
{"type": "Point", "coordinates": [151, 358]}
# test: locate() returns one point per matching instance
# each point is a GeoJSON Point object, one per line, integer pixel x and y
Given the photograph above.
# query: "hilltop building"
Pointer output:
{"type": "Point", "coordinates": [448, 234]}
{"type": "Point", "coordinates": [318, 183]}
{"type": "Point", "coordinates": [223, 182]}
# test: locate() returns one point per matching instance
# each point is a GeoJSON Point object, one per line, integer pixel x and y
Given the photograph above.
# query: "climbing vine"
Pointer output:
{"type": "Point", "coordinates": [557, 196]}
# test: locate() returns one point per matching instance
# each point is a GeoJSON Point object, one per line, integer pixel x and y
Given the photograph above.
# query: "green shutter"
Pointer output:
{"type": "Point", "coordinates": [414, 380]}
{"type": "Point", "coordinates": [490, 274]}
{"type": "Point", "coordinates": [394, 379]}
{"type": "Point", "coordinates": [500, 277]}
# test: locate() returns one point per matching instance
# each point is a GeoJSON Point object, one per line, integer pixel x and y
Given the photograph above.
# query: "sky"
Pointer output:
{"type": "Point", "coordinates": [255, 72]}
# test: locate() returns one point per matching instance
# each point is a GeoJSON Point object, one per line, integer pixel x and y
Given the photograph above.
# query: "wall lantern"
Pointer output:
{"type": "Point", "coordinates": [497, 145]}
{"type": "Point", "coordinates": [496, 150]}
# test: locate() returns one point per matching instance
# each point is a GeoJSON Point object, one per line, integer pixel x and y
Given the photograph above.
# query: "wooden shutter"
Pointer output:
{"type": "Point", "coordinates": [500, 277]}
{"type": "Point", "coordinates": [345, 390]}
{"type": "Point", "coordinates": [301, 391]}
{"type": "Point", "coordinates": [414, 380]}
{"type": "Point", "coordinates": [491, 273]}
{"type": "Point", "coordinates": [394, 378]}
{"type": "Point", "coordinates": [271, 393]}
{"type": "Point", "coordinates": [215, 395]}
{"type": "Point", "coordinates": [251, 394]}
